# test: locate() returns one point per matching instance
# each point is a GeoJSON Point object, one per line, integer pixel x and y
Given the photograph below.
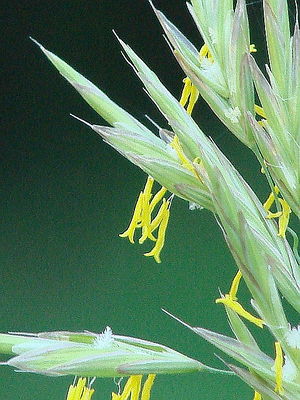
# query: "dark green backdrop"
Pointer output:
{"type": "Point", "coordinates": [66, 195]}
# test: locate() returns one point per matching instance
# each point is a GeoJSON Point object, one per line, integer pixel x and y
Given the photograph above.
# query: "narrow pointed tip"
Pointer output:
{"type": "Point", "coordinates": [116, 35]}
{"type": "Point", "coordinates": [156, 11]}
{"type": "Point", "coordinates": [36, 42]}
{"type": "Point", "coordinates": [151, 4]}
{"type": "Point", "coordinates": [82, 120]}
{"type": "Point", "coordinates": [177, 319]}
{"type": "Point", "coordinates": [123, 44]}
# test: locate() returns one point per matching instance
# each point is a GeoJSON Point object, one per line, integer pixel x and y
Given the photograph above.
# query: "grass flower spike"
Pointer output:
{"type": "Point", "coordinates": [89, 354]}
{"type": "Point", "coordinates": [262, 111]}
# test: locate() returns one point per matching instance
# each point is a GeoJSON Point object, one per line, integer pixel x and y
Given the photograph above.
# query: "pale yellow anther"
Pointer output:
{"type": "Point", "coordinates": [185, 162]}
{"type": "Point", "coordinates": [80, 391]}
{"type": "Point", "coordinates": [205, 53]}
{"type": "Point", "coordinates": [146, 213]}
{"type": "Point", "coordinates": [238, 308]}
{"type": "Point", "coordinates": [157, 198]}
{"type": "Point", "coordinates": [252, 48]}
{"type": "Point", "coordinates": [148, 188]}
{"type": "Point", "coordinates": [142, 218]}
{"type": "Point", "coordinates": [257, 396]}
{"type": "Point", "coordinates": [155, 252]}
{"type": "Point", "coordinates": [159, 216]}
{"type": "Point", "coordinates": [194, 94]}
{"type": "Point", "coordinates": [189, 95]}
{"type": "Point", "coordinates": [176, 145]}
{"type": "Point", "coordinates": [147, 387]}
{"type": "Point", "coordinates": [283, 215]}
{"type": "Point", "coordinates": [283, 218]}
{"type": "Point", "coordinates": [259, 111]}
{"type": "Point", "coordinates": [230, 300]}
{"type": "Point", "coordinates": [278, 366]}
{"type": "Point", "coordinates": [186, 91]}
{"type": "Point", "coordinates": [270, 200]}
{"type": "Point", "coordinates": [235, 285]}
{"type": "Point", "coordinates": [132, 389]}
{"type": "Point", "coordinates": [136, 219]}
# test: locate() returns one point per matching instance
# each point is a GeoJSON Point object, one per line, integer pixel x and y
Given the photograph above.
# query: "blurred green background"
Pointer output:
{"type": "Point", "coordinates": [66, 195]}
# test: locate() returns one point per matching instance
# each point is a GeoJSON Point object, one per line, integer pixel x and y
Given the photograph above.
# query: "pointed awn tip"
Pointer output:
{"type": "Point", "coordinates": [36, 42]}
{"type": "Point", "coordinates": [82, 120]}
{"type": "Point", "coordinates": [177, 319]}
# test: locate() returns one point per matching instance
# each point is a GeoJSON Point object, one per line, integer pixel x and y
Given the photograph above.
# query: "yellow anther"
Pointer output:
{"type": "Point", "coordinates": [270, 200]}
{"type": "Point", "coordinates": [142, 218]}
{"type": "Point", "coordinates": [238, 308]}
{"type": "Point", "coordinates": [260, 111]}
{"type": "Point", "coordinates": [148, 188]}
{"type": "Point", "coordinates": [186, 91]}
{"type": "Point", "coordinates": [132, 389]}
{"type": "Point", "coordinates": [146, 213]}
{"type": "Point", "coordinates": [136, 219]}
{"type": "Point", "coordinates": [157, 198]}
{"type": "Point", "coordinates": [176, 145]}
{"type": "Point", "coordinates": [147, 387]}
{"type": "Point", "coordinates": [257, 396]}
{"type": "Point", "coordinates": [230, 300]}
{"type": "Point", "coordinates": [189, 95]}
{"type": "Point", "coordinates": [283, 215]}
{"type": "Point", "coordinates": [155, 252]}
{"type": "Point", "coordinates": [159, 216]}
{"type": "Point", "coordinates": [252, 48]}
{"type": "Point", "coordinates": [80, 391]}
{"type": "Point", "coordinates": [185, 162]}
{"type": "Point", "coordinates": [278, 365]}
{"type": "Point", "coordinates": [283, 218]}
{"type": "Point", "coordinates": [235, 285]}
{"type": "Point", "coordinates": [194, 94]}
{"type": "Point", "coordinates": [205, 53]}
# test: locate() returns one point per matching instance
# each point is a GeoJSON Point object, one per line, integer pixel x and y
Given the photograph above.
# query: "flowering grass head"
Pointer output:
{"type": "Point", "coordinates": [188, 164]}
